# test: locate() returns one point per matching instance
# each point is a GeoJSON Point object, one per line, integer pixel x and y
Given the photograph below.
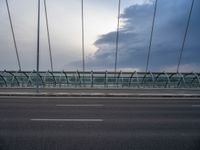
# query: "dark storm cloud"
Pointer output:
{"type": "Point", "coordinates": [134, 37]}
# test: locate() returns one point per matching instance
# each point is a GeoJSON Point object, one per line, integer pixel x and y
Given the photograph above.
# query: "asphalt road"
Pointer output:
{"type": "Point", "coordinates": [30, 123]}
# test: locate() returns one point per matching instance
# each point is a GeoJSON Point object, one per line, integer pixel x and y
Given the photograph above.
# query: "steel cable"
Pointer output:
{"type": "Point", "coordinates": [185, 35]}
{"type": "Point", "coordinates": [13, 35]}
{"type": "Point", "coordinates": [83, 38]}
{"type": "Point", "coordinates": [48, 35]}
{"type": "Point", "coordinates": [38, 46]}
{"type": "Point", "coordinates": [117, 35]}
{"type": "Point", "coordinates": [151, 36]}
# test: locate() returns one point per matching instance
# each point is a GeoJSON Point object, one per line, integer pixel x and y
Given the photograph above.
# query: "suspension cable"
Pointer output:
{"type": "Point", "coordinates": [151, 36]}
{"type": "Point", "coordinates": [83, 39]}
{"type": "Point", "coordinates": [117, 35]}
{"type": "Point", "coordinates": [83, 36]}
{"type": "Point", "coordinates": [185, 35]}
{"type": "Point", "coordinates": [48, 35]}
{"type": "Point", "coordinates": [13, 35]}
{"type": "Point", "coordinates": [38, 46]}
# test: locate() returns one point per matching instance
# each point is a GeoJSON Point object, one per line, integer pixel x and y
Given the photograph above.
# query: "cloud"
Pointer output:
{"type": "Point", "coordinates": [140, 2]}
{"type": "Point", "coordinates": [183, 68]}
{"type": "Point", "coordinates": [64, 21]}
{"type": "Point", "coordinates": [135, 33]}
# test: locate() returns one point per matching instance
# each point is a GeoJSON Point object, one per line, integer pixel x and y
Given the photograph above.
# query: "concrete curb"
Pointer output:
{"type": "Point", "coordinates": [44, 94]}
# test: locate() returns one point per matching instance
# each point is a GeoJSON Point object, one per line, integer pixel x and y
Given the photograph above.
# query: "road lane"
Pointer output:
{"type": "Point", "coordinates": [140, 124]}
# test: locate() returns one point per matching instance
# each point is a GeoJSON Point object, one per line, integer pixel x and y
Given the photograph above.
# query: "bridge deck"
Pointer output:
{"type": "Point", "coordinates": [30, 123]}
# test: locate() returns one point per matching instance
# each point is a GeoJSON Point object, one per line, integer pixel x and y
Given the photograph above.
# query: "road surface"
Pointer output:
{"type": "Point", "coordinates": [49, 123]}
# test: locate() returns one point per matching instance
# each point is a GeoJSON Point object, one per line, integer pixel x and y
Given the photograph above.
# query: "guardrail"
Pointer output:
{"type": "Point", "coordinates": [73, 79]}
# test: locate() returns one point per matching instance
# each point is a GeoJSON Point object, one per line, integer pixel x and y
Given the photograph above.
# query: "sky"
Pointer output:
{"type": "Point", "coordinates": [100, 35]}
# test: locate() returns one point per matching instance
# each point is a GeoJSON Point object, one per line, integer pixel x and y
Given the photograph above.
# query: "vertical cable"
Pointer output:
{"type": "Point", "coordinates": [185, 36]}
{"type": "Point", "coordinates": [48, 35]}
{"type": "Point", "coordinates": [38, 46]}
{"type": "Point", "coordinates": [151, 36]}
{"type": "Point", "coordinates": [83, 38]}
{"type": "Point", "coordinates": [13, 34]}
{"type": "Point", "coordinates": [117, 35]}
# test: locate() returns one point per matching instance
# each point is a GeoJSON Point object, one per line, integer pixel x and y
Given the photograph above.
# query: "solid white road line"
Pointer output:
{"type": "Point", "coordinates": [67, 120]}
{"type": "Point", "coordinates": [79, 105]}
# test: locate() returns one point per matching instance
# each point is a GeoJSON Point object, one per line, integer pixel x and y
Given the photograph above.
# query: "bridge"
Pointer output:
{"type": "Point", "coordinates": [112, 78]}
{"type": "Point", "coordinates": [110, 108]}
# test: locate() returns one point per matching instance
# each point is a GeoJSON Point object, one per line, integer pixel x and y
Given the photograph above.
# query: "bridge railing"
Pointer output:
{"type": "Point", "coordinates": [76, 79]}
